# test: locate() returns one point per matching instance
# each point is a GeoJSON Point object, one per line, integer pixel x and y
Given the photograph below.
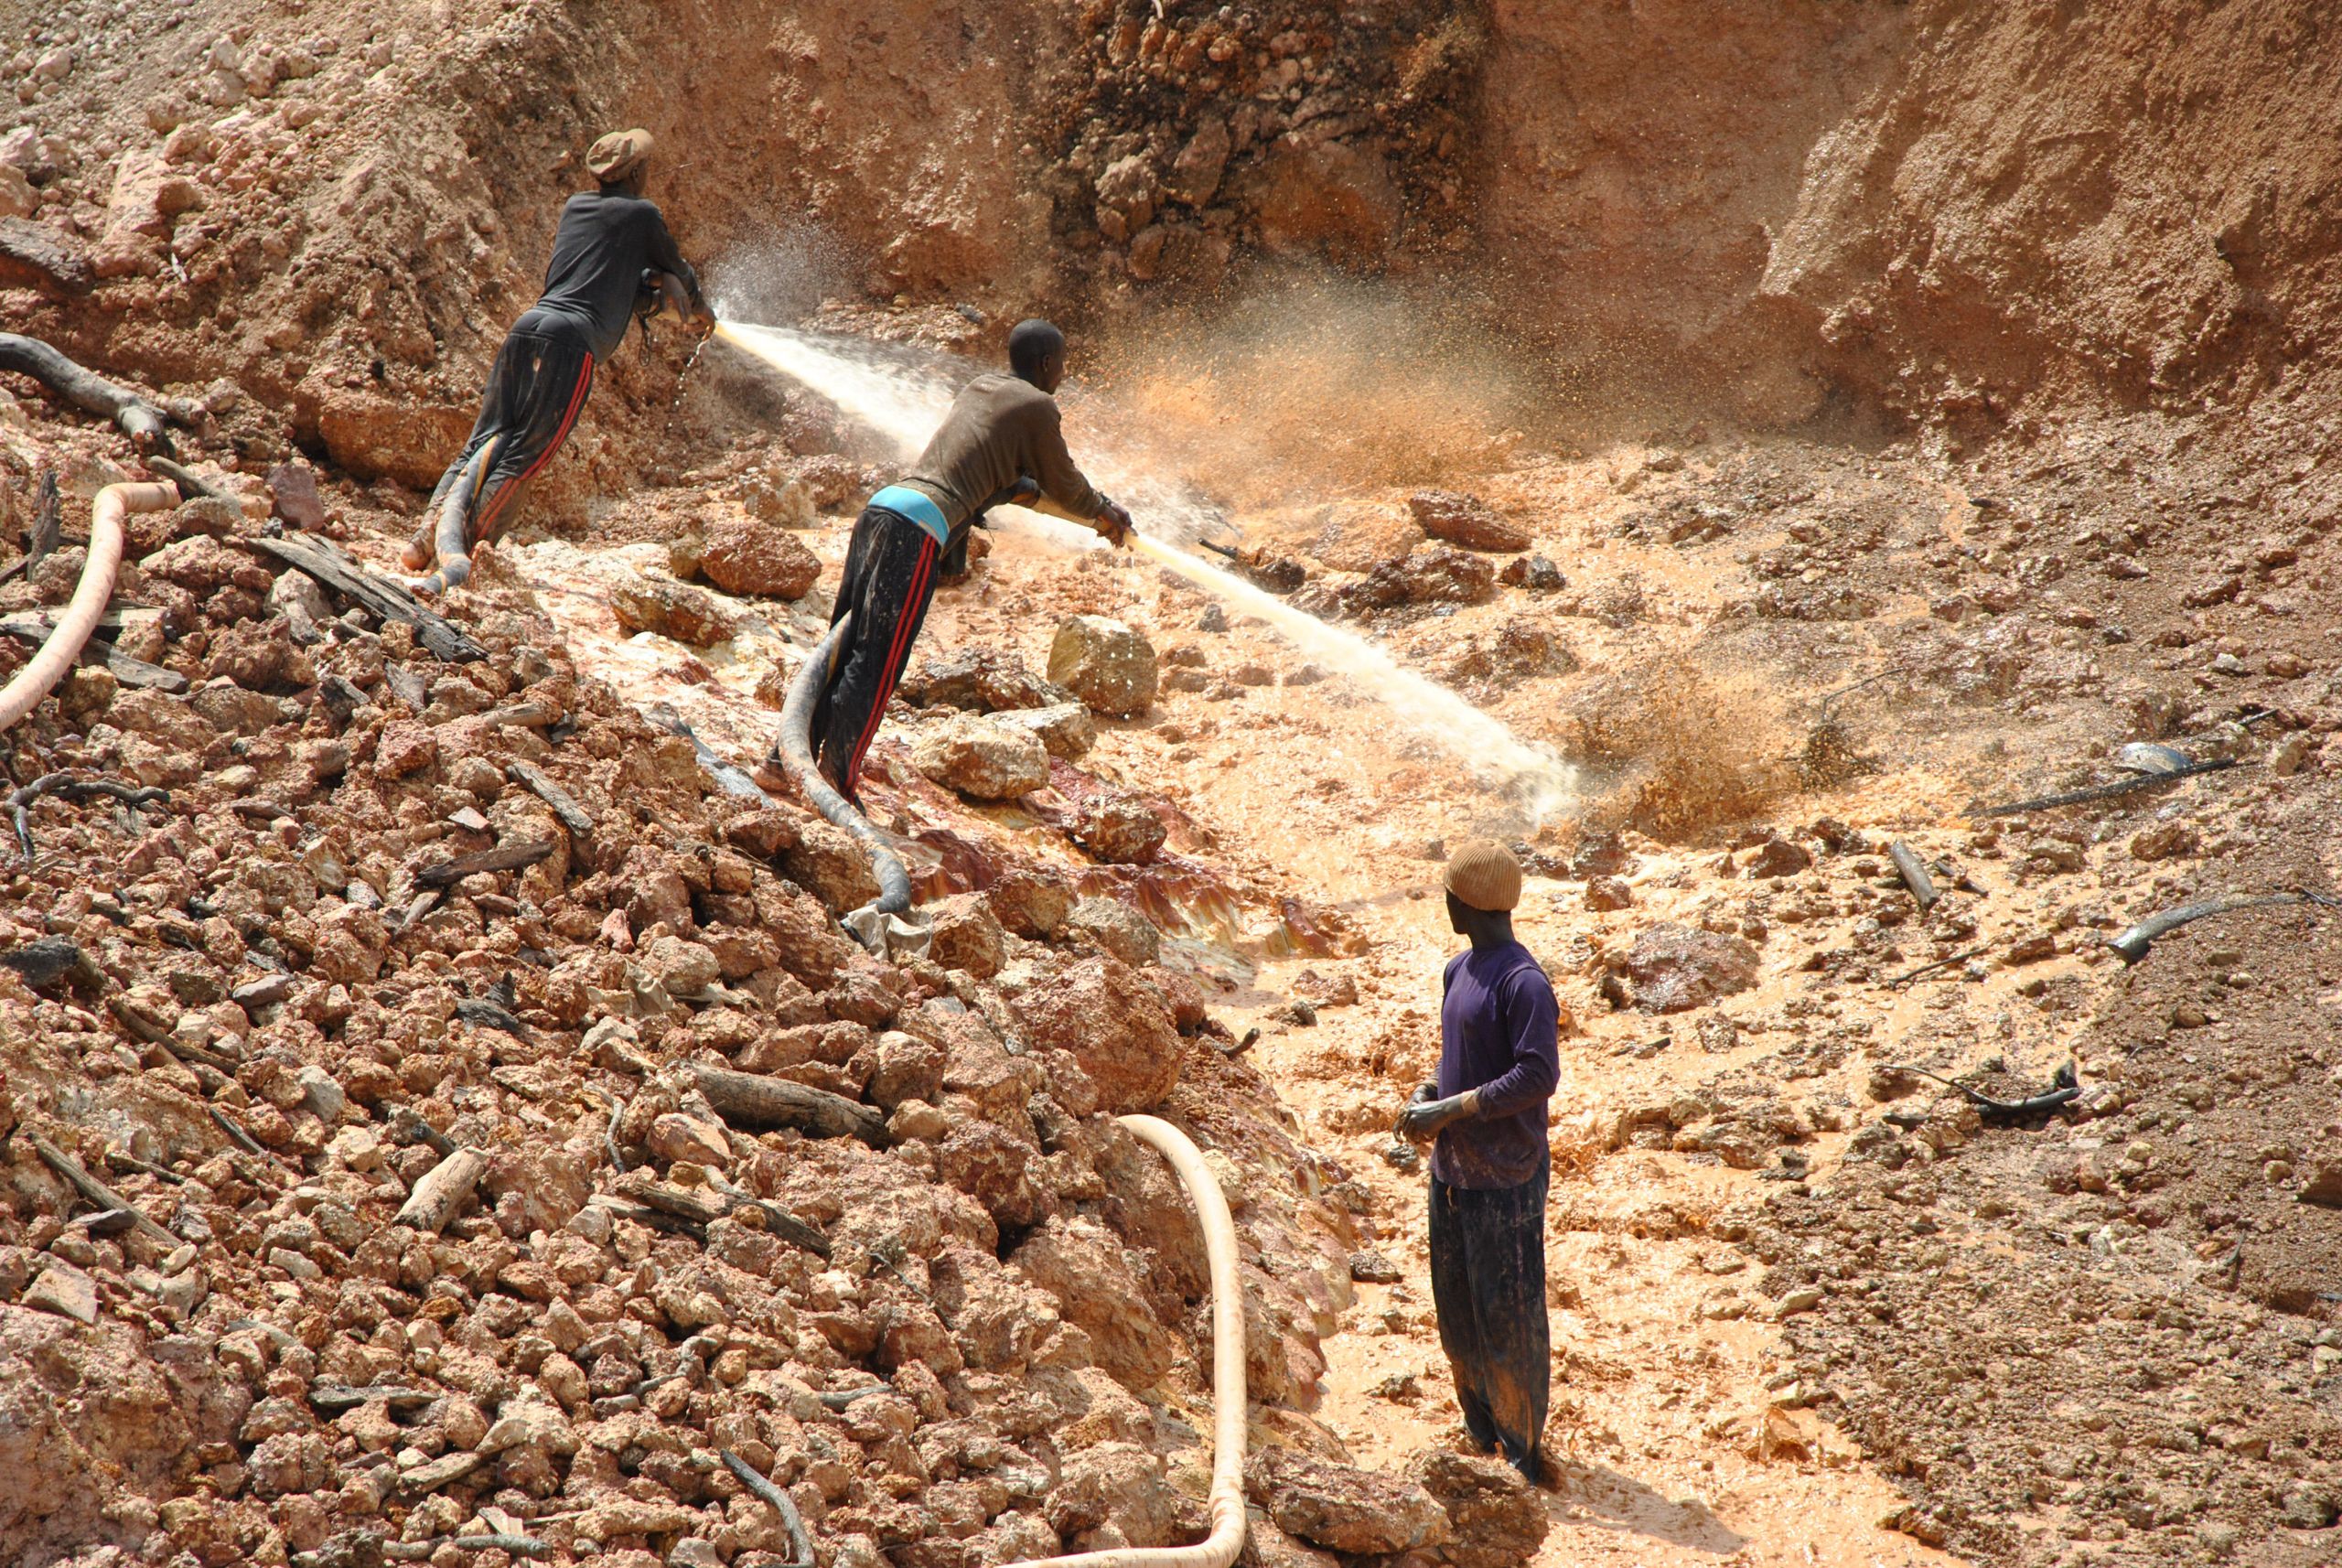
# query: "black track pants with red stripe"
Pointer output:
{"type": "Point", "coordinates": [891, 569]}
{"type": "Point", "coordinates": [535, 394]}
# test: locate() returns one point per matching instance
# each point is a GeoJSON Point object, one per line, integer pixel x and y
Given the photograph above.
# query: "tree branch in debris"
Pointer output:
{"type": "Point", "coordinates": [441, 1192]}
{"type": "Point", "coordinates": [140, 420]}
{"type": "Point", "coordinates": [778, 1103]}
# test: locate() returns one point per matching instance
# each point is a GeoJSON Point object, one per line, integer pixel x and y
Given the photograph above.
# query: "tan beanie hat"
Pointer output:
{"type": "Point", "coordinates": [618, 155]}
{"type": "Point", "coordinates": [1484, 875]}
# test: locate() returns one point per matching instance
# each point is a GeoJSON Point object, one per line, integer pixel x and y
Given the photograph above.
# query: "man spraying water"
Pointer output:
{"type": "Point", "coordinates": [612, 257]}
{"type": "Point", "coordinates": [1001, 443]}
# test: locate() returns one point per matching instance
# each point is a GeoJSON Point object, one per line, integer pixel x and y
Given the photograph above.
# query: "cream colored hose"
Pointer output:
{"type": "Point", "coordinates": [1230, 1401]}
{"type": "Point", "coordinates": [73, 627]}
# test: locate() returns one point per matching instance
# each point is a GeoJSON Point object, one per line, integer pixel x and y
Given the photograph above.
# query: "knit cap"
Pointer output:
{"type": "Point", "coordinates": [1484, 875]}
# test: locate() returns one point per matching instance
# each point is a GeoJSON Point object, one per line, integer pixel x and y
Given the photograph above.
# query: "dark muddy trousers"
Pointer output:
{"type": "Point", "coordinates": [890, 568]}
{"type": "Point", "coordinates": [1488, 1285]}
{"type": "Point", "coordinates": [534, 393]}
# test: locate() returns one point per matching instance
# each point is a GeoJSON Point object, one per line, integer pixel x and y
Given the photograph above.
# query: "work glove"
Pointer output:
{"type": "Point", "coordinates": [1113, 525]}
{"type": "Point", "coordinates": [1427, 1115]}
{"type": "Point", "coordinates": [1024, 492]}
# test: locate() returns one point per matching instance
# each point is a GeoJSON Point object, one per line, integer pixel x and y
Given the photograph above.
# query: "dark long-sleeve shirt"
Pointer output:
{"type": "Point", "coordinates": [999, 429]}
{"type": "Point", "coordinates": [606, 240]}
{"type": "Point", "coordinates": [1499, 1032]}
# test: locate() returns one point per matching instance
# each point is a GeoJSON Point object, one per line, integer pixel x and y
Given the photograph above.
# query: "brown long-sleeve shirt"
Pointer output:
{"type": "Point", "coordinates": [999, 429]}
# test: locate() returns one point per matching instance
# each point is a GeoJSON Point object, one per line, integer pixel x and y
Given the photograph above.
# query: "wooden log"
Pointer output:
{"type": "Point", "coordinates": [787, 1227]}
{"type": "Point", "coordinates": [643, 1214]}
{"type": "Point", "coordinates": [49, 522]}
{"type": "Point", "coordinates": [411, 1128]}
{"type": "Point", "coordinates": [704, 1207]}
{"type": "Point", "coordinates": [191, 485]}
{"type": "Point", "coordinates": [137, 672]}
{"type": "Point", "coordinates": [234, 1129]}
{"type": "Point", "coordinates": [669, 1199]}
{"type": "Point", "coordinates": [343, 573]}
{"type": "Point", "coordinates": [336, 1398]}
{"type": "Point", "coordinates": [140, 420]}
{"type": "Point", "coordinates": [96, 1191]}
{"type": "Point", "coordinates": [149, 1029]}
{"type": "Point", "coordinates": [424, 1479]}
{"type": "Point", "coordinates": [800, 1544]}
{"type": "Point", "coordinates": [778, 1103]}
{"type": "Point", "coordinates": [1914, 874]}
{"type": "Point", "coordinates": [441, 1192]}
{"type": "Point", "coordinates": [566, 808]}
{"type": "Point", "coordinates": [503, 858]}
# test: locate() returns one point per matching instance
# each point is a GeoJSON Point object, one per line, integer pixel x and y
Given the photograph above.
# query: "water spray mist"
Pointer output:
{"type": "Point", "coordinates": [906, 403]}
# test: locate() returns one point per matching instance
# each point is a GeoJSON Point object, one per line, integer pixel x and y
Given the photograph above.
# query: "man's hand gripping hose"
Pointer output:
{"type": "Point", "coordinates": [1427, 1115]}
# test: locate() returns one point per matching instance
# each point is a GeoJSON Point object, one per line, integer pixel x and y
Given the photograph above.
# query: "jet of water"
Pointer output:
{"type": "Point", "coordinates": [904, 402]}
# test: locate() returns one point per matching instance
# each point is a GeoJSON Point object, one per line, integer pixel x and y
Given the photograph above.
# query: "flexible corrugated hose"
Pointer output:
{"type": "Point", "coordinates": [1230, 1408]}
{"type": "Point", "coordinates": [796, 751]}
{"type": "Point", "coordinates": [90, 596]}
{"type": "Point", "coordinates": [450, 532]}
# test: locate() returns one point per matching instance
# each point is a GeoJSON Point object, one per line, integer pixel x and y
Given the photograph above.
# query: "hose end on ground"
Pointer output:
{"type": "Point", "coordinates": [102, 565]}
{"type": "Point", "coordinates": [1230, 1396]}
{"type": "Point", "coordinates": [795, 750]}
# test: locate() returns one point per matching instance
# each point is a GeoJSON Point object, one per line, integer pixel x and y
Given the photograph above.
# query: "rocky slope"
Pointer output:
{"type": "Point", "coordinates": [2053, 275]}
{"type": "Point", "coordinates": [384, 924]}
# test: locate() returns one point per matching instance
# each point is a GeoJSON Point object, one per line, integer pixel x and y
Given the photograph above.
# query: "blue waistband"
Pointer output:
{"type": "Point", "coordinates": [903, 502]}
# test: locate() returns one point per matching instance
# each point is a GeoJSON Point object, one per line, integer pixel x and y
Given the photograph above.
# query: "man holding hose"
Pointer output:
{"type": "Point", "coordinates": [1500, 1058]}
{"type": "Point", "coordinates": [612, 258]}
{"type": "Point", "coordinates": [1000, 443]}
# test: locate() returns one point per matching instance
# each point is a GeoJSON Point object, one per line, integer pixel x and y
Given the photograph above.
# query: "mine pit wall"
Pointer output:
{"type": "Point", "coordinates": [1944, 213]}
{"type": "Point", "coordinates": [1929, 215]}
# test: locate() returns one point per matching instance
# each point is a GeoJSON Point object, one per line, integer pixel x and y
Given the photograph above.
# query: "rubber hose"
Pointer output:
{"type": "Point", "coordinates": [796, 748]}
{"type": "Point", "coordinates": [1230, 1399]}
{"type": "Point", "coordinates": [2133, 944]}
{"type": "Point", "coordinates": [455, 549]}
{"type": "Point", "coordinates": [90, 596]}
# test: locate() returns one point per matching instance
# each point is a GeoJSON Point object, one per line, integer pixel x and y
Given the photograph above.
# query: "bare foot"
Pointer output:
{"type": "Point", "coordinates": [415, 555]}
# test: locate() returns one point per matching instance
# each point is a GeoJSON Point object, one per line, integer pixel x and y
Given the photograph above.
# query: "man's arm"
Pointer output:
{"type": "Point", "coordinates": [668, 257]}
{"type": "Point", "coordinates": [1054, 468]}
{"type": "Point", "coordinates": [1533, 1018]}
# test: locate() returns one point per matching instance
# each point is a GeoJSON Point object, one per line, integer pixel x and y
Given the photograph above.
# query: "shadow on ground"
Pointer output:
{"type": "Point", "coordinates": [1596, 1498]}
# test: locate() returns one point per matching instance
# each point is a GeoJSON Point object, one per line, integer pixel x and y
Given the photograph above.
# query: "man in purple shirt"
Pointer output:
{"type": "Point", "coordinates": [1499, 1060]}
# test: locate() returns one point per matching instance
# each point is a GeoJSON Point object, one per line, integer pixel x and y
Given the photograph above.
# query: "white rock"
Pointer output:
{"type": "Point", "coordinates": [18, 197]}
{"type": "Point", "coordinates": [979, 755]}
{"type": "Point", "coordinates": [529, 1421]}
{"type": "Point", "coordinates": [65, 1291]}
{"type": "Point", "coordinates": [324, 1097]}
{"type": "Point", "coordinates": [1105, 663]}
{"type": "Point", "coordinates": [1065, 729]}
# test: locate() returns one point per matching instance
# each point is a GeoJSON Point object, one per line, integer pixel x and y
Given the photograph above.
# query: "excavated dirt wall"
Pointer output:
{"type": "Point", "coordinates": [2041, 287]}
{"type": "Point", "coordinates": [1929, 215]}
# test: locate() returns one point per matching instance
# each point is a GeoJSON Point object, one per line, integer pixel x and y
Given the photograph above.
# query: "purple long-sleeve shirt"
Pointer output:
{"type": "Point", "coordinates": [1499, 1031]}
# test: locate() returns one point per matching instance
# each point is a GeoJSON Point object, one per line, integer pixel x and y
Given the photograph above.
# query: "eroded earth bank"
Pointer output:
{"type": "Point", "coordinates": [1809, 428]}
